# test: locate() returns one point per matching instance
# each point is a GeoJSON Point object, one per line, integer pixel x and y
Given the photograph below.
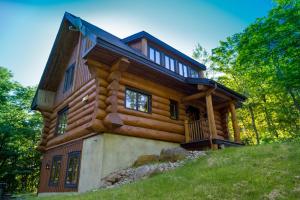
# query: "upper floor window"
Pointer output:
{"type": "Point", "coordinates": [72, 173]}
{"type": "Point", "coordinates": [170, 63]}
{"type": "Point", "coordinates": [55, 171]}
{"type": "Point", "coordinates": [137, 100]}
{"type": "Point", "coordinates": [182, 69]}
{"type": "Point", "coordinates": [173, 109]}
{"type": "Point", "coordinates": [193, 73]}
{"type": "Point", "coordinates": [154, 55]}
{"type": "Point", "coordinates": [69, 76]}
{"type": "Point", "coordinates": [62, 121]}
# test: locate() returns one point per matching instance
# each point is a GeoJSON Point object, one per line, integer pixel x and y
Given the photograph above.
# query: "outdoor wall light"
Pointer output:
{"type": "Point", "coordinates": [47, 166]}
{"type": "Point", "coordinates": [85, 99]}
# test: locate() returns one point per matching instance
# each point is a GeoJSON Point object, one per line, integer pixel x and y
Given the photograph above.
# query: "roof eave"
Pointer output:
{"type": "Point", "coordinates": [210, 82]}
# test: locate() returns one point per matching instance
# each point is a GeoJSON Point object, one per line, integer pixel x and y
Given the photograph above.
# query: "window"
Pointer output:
{"type": "Point", "coordinates": [154, 55]}
{"type": "Point", "coordinates": [185, 74]}
{"type": "Point", "coordinates": [182, 69]}
{"type": "Point", "coordinates": [69, 76]}
{"type": "Point", "coordinates": [62, 121]}
{"type": "Point", "coordinates": [194, 73]}
{"type": "Point", "coordinates": [136, 100]}
{"type": "Point", "coordinates": [170, 63]}
{"type": "Point", "coordinates": [167, 62]}
{"type": "Point", "coordinates": [72, 172]}
{"type": "Point", "coordinates": [173, 109]}
{"type": "Point", "coordinates": [55, 171]}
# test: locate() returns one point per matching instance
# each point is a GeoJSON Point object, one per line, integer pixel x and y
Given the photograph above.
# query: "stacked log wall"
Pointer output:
{"type": "Point", "coordinates": [80, 113]}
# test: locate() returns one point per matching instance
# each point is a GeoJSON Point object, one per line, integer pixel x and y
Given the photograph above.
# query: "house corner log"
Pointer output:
{"type": "Point", "coordinates": [113, 118]}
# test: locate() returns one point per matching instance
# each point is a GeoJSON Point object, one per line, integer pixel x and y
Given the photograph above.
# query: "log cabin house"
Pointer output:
{"type": "Point", "coordinates": [106, 100]}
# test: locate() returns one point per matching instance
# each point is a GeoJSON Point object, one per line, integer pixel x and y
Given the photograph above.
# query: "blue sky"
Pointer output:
{"type": "Point", "coordinates": [28, 28]}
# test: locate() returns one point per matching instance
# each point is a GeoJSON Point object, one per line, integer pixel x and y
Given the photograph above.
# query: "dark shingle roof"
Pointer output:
{"type": "Point", "coordinates": [116, 44]}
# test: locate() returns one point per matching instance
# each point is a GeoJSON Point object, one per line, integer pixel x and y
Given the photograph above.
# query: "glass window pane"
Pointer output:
{"type": "Point", "coordinates": [167, 64]}
{"type": "Point", "coordinates": [69, 76]}
{"type": "Point", "coordinates": [130, 99]}
{"type": "Point", "coordinates": [73, 169]}
{"type": "Point", "coordinates": [62, 121]}
{"type": "Point", "coordinates": [152, 54]}
{"type": "Point", "coordinates": [194, 73]}
{"type": "Point", "coordinates": [172, 64]}
{"type": "Point", "coordinates": [157, 57]}
{"type": "Point", "coordinates": [55, 170]}
{"type": "Point", "coordinates": [184, 71]}
{"type": "Point", "coordinates": [143, 103]}
{"type": "Point", "coordinates": [173, 109]}
{"type": "Point", "coordinates": [180, 69]}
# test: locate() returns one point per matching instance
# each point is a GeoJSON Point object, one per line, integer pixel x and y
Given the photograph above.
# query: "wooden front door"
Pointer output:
{"type": "Point", "coordinates": [192, 113]}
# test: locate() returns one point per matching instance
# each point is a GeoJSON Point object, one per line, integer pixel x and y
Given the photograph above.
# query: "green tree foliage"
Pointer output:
{"type": "Point", "coordinates": [19, 133]}
{"type": "Point", "coordinates": [263, 63]}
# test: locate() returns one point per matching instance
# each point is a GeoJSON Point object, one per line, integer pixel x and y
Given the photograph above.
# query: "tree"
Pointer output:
{"type": "Point", "coordinates": [19, 132]}
{"type": "Point", "coordinates": [262, 62]}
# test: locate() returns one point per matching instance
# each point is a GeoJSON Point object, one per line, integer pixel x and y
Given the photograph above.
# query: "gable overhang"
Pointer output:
{"type": "Point", "coordinates": [65, 41]}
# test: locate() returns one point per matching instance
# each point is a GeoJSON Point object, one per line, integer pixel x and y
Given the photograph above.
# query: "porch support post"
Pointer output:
{"type": "Point", "coordinates": [236, 128]}
{"type": "Point", "coordinates": [187, 131]}
{"type": "Point", "coordinates": [211, 119]}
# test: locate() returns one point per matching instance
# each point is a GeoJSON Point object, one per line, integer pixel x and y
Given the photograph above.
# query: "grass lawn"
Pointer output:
{"type": "Point", "coordinates": [261, 172]}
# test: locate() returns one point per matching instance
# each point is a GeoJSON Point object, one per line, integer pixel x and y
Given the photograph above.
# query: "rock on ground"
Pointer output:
{"type": "Point", "coordinates": [173, 154]}
{"type": "Point", "coordinates": [146, 159]}
{"type": "Point", "coordinates": [132, 174]}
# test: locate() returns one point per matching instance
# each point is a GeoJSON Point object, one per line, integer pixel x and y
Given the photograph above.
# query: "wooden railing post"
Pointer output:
{"type": "Point", "coordinates": [211, 119]}
{"type": "Point", "coordinates": [236, 128]}
{"type": "Point", "coordinates": [187, 131]}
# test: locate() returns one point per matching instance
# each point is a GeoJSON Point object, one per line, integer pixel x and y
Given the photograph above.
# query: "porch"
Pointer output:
{"type": "Point", "coordinates": [207, 123]}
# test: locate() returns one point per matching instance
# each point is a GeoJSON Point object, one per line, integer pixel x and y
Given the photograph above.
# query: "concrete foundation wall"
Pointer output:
{"type": "Point", "coordinates": [91, 163]}
{"type": "Point", "coordinates": [106, 153]}
{"type": "Point", "coordinates": [121, 151]}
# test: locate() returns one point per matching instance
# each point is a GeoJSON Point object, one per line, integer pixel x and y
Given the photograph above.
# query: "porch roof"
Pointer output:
{"type": "Point", "coordinates": [212, 83]}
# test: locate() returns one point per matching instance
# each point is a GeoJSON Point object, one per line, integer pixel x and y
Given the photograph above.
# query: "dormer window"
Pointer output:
{"type": "Point", "coordinates": [170, 63]}
{"type": "Point", "coordinates": [165, 60]}
{"type": "Point", "coordinates": [182, 69]}
{"type": "Point", "coordinates": [154, 55]}
{"type": "Point", "coordinates": [193, 73]}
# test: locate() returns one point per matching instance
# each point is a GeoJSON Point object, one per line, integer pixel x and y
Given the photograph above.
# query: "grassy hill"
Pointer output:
{"type": "Point", "coordinates": [261, 172]}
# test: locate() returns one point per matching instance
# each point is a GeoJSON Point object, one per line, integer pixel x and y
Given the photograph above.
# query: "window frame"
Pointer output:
{"type": "Point", "coordinates": [137, 91]}
{"type": "Point", "coordinates": [155, 58]}
{"type": "Point", "coordinates": [173, 102]}
{"type": "Point", "coordinates": [169, 58]}
{"type": "Point", "coordinates": [70, 155]}
{"type": "Point", "coordinates": [51, 182]}
{"type": "Point", "coordinates": [59, 113]}
{"type": "Point", "coordinates": [68, 84]}
{"type": "Point", "coordinates": [190, 72]}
